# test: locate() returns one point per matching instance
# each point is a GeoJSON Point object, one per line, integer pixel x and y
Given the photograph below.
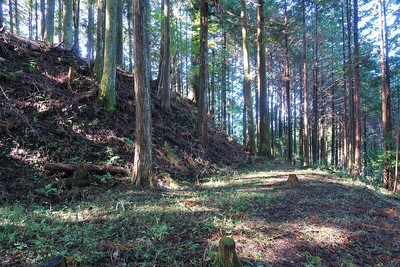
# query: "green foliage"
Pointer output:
{"type": "Point", "coordinates": [112, 158]}
{"type": "Point", "coordinates": [32, 66]}
{"type": "Point", "coordinates": [47, 190]}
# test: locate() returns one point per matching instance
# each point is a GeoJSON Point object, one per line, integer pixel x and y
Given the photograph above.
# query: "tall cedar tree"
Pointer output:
{"type": "Point", "coordinates": [49, 29]}
{"type": "Point", "coordinates": [386, 109]}
{"type": "Point", "coordinates": [76, 18]}
{"type": "Point", "coordinates": [43, 19]}
{"type": "Point", "coordinates": [90, 28]}
{"type": "Point", "coordinates": [224, 68]}
{"type": "Point", "coordinates": [247, 82]}
{"type": "Point", "coordinates": [165, 71]}
{"type": "Point", "coordinates": [306, 148]}
{"type": "Point", "coordinates": [288, 94]}
{"type": "Point", "coordinates": [107, 85]}
{"type": "Point", "coordinates": [120, 27]}
{"type": "Point", "coordinates": [203, 86]}
{"type": "Point", "coordinates": [315, 91]}
{"type": "Point", "coordinates": [264, 141]}
{"type": "Point", "coordinates": [68, 37]}
{"type": "Point", "coordinates": [142, 168]}
{"type": "Point", "coordinates": [357, 104]}
{"type": "Point", "coordinates": [98, 63]}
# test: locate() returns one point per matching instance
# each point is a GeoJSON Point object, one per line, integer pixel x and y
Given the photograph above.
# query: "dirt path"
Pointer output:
{"type": "Point", "coordinates": [317, 222]}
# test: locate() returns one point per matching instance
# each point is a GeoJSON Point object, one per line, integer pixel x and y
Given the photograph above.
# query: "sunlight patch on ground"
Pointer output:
{"type": "Point", "coordinates": [324, 235]}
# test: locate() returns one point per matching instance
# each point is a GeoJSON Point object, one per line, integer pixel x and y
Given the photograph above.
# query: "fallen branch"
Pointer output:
{"type": "Point", "coordinates": [70, 168]}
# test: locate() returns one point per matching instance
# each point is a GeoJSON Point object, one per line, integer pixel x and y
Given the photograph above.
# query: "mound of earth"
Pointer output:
{"type": "Point", "coordinates": [45, 117]}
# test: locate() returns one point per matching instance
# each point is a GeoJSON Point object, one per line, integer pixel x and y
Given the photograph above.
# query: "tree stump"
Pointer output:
{"type": "Point", "coordinates": [227, 256]}
{"type": "Point", "coordinates": [292, 179]}
{"type": "Point", "coordinates": [81, 177]}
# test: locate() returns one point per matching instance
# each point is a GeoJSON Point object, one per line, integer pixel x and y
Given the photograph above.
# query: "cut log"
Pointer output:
{"type": "Point", "coordinates": [227, 256]}
{"type": "Point", "coordinates": [70, 168]}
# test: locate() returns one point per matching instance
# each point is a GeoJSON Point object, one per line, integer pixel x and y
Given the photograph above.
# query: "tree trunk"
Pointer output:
{"type": "Point", "coordinates": [60, 18]}
{"type": "Point", "coordinates": [223, 80]}
{"type": "Point", "coordinates": [119, 34]}
{"type": "Point", "coordinates": [264, 138]}
{"type": "Point", "coordinates": [49, 29]}
{"type": "Point", "coordinates": [306, 156]}
{"type": "Point", "coordinates": [107, 85]}
{"type": "Point", "coordinates": [315, 92]}
{"type": "Point", "coordinates": [142, 168]}
{"type": "Point", "coordinates": [99, 61]}
{"type": "Point", "coordinates": [76, 18]}
{"type": "Point", "coordinates": [203, 87]}
{"type": "Point", "coordinates": [130, 41]}
{"type": "Point", "coordinates": [17, 17]}
{"type": "Point", "coordinates": [288, 93]}
{"type": "Point", "coordinates": [165, 79]}
{"type": "Point", "coordinates": [1, 14]}
{"type": "Point", "coordinates": [386, 107]}
{"type": "Point", "coordinates": [343, 125]}
{"type": "Point", "coordinates": [30, 19]}
{"type": "Point", "coordinates": [247, 81]}
{"type": "Point", "coordinates": [396, 172]}
{"type": "Point", "coordinates": [333, 107]}
{"type": "Point", "coordinates": [70, 168]}
{"type": "Point", "coordinates": [11, 15]}
{"type": "Point", "coordinates": [357, 104]}
{"type": "Point", "coordinates": [43, 18]}
{"type": "Point", "coordinates": [68, 38]}
{"type": "Point", "coordinates": [76, 14]}
{"type": "Point", "coordinates": [90, 35]}
{"type": "Point", "coordinates": [350, 75]}
{"type": "Point", "coordinates": [37, 22]}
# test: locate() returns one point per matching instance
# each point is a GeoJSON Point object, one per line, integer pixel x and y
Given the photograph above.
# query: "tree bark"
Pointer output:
{"type": "Point", "coordinates": [119, 34]}
{"type": "Point", "coordinates": [43, 18]}
{"type": "Point", "coordinates": [203, 87]}
{"type": "Point", "coordinates": [107, 85]}
{"type": "Point", "coordinates": [11, 15]}
{"type": "Point", "coordinates": [306, 150]}
{"type": "Point", "coordinates": [142, 168]}
{"type": "Point", "coordinates": [1, 14]}
{"type": "Point", "coordinates": [264, 138]}
{"type": "Point", "coordinates": [223, 80]}
{"type": "Point", "coordinates": [343, 125]}
{"type": "Point", "coordinates": [49, 29]}
{"type": "Point", "coordinates": [70, 168]}
{"type": "Point", "coordinates": [247, 81]}
{"type": "Point", "coordinates": [68, 38]}
{"type": "Point", "coordinates": [76, 18]}
{"type": "Point", "coordinates": [227, 256]}
{"type": "Point", "coordinates": [385, 91]}
{"type": "Point", "coordinates": [357, 104]}
{"type": "Point", "coordinates": [99, 61]}
{"type": "Point", "coordinates": [90, 35]}
{"type": "Point", "coordinates": [315, 92]}
{"type": "Point", "coordinates": [289, 156]}
{"type": "Point", "coordinates": [165, 79]}
{"type": "Point", "coordinates": [130, 41]}
{"type": "Point", "coordinates": [350, 107]}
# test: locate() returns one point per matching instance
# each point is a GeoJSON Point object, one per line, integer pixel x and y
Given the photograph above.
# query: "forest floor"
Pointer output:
{"type": "Point", "coordinates": [322, 220]}
{"type": "Point", "coordinates": [44, 118]}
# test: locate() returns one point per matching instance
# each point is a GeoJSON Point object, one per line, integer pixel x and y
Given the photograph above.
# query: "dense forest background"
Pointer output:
{"type": "Point", "coordinates": [306, 82]}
